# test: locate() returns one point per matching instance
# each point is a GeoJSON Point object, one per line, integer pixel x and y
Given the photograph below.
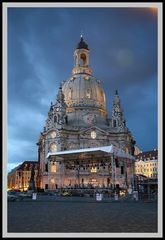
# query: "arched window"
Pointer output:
{"type": "Point", "coordinates": [122, 169]}
{"type": "Point", "coordinates": [70, 94]}
{"type": "Point", "coordinates": [88, 93]}
{"type": "Point", "coordinates": [46, 167]}
{"type": "Point", "coordinates": [82, 59]}
{"type": "Point", "coordinates": [55, 119]}
{"type": "Point", "coordinates": [76, 59]}
{"type": "Point", "coordinates": [114, 123]}
{"type": "Point", "coordinates": [126, 150]}
{"type": "Point", "coordinates": [108, 181]}
{"type": "Point", "coordinates": [53, 167]}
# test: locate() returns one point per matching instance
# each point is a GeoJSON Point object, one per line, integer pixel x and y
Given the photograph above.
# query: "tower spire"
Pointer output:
{"type": "Point", "coordinates": [118, 121]}
{"type": "Point", "coordinates": [82, 44]}
{"type": "Point", "coordinates": [81, 34]}
{"type": "Point", "coordinates": [116, 99]}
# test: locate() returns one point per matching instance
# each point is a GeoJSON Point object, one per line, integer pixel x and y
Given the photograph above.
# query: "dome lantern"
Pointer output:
{"type": "Point", "coordinates": [81, 58]}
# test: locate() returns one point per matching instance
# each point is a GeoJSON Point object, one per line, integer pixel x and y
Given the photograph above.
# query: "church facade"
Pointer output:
{"type": "Point", "coordinates": [78, 120]}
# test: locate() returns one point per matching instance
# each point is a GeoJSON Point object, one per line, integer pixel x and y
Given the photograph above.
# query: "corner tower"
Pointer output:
{"type": "Point", "coordinates": [118, 122]}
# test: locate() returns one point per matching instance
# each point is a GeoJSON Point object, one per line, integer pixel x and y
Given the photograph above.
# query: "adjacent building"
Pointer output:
{"type": "Point", "coordinates": [146, 173]}
{"type": "Point", "coordinates": [146, 164]}
{"type": "Point", "coordinates": [78, 120]}
{"type": "Point", "coordinates": [19, 178]}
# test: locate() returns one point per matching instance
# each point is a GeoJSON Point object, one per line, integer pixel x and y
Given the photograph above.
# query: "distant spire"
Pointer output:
{"type": "Point", "coordinates": [60, 87]}
{"type": "Point", "coordinates": [81, 34]}
{"type": "Point", "coordinates": [60, 95]}
{"type": "Point", "coordinates": [116, 98]}
{"type": "Point", "coordinates": [51, 106]}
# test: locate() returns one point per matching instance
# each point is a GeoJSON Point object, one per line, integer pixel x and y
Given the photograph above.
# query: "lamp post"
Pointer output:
{"type": "Point", "coordinates": [78, 173]}
{"type": "Point", "coordinates": [113, 172]}
{"type": "Point", "coordinates": [125, 170]}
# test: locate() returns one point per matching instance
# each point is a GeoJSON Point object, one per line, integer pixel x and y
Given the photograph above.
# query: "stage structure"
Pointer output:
{"type": "Point", "coordinates": [106, 166]}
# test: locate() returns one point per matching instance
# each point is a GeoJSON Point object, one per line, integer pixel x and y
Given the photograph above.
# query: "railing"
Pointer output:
{"type": "Point", "coordinates": [107, 193]}
{"type": "Point", "coordinates": [90, 192]}
{"type": "Point", "coordinates": [148, 196]}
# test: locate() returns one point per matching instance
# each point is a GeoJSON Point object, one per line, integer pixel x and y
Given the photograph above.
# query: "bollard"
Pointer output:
{"type": "Point", "coordinates": [135, 195]}
{"type": "Point", "coordinates": [116, 197]}
{"type": "Point", "coordinates": [101, 196]}
{"type": "Point", "coordinates": [98, 196]}
{"type": "Point", "coordinates": [34, 196]}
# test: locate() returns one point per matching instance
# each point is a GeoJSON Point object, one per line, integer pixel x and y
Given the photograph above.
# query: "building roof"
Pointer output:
{"type": "Point", "coordinates": [148, 154]}
{"type": "Point", "coordinates": [82, 44]}
{"type": "Point", "coordinates": [14, 169]}
{"type": "Point", "coordinates": [105, 149]}
{"type": "Point", "coordinates": [28, 165]}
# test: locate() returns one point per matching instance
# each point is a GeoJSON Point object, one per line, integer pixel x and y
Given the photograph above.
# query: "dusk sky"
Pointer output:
{"type": "Point", "coordinates": [123, 56]}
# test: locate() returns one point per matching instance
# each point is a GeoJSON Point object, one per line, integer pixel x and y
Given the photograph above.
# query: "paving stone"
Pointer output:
{"type": "Point", "coordinates": [49, 214]}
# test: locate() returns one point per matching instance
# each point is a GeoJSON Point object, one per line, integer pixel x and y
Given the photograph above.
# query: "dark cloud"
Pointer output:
{"type": "Point", "coordinates": [41, 42]}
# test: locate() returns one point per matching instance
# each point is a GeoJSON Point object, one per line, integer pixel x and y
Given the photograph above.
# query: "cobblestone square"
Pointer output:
{"type": "Point", "coordinates": [50, 214]}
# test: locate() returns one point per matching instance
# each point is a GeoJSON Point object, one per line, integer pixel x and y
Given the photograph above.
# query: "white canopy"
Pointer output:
{"type": "Point", "coordinates": [105, 149]}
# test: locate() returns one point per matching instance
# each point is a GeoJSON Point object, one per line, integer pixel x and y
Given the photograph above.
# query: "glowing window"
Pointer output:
{"type": "Point", "coordinates": [70, 94]}
{"type": "Point", "coordinates": [82, 59]}
{"type": "Point", "coordinates": [93, 134]}
{"type": "Point", "coordinates": [93, 170]}
{"type": "Point", "coordinates": [52, 180]}
{"type": "Point", "coordinates": [53, 167]}
{"type": "Point", "coordinates": [88, 93]}
{"type": "Point", "coordinates": [86, 77]}
{"type": "Point", "coordinates": [126, 150]}
{"type": "Point", "coordinates": [94, 180]}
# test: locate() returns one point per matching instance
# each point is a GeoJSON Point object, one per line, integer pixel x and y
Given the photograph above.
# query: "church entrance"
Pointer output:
{"type": "Point", "coordinates": [93, 182]}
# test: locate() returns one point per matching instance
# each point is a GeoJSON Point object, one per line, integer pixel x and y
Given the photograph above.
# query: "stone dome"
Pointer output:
{"type": "Point", "coordinates": [84, 91]}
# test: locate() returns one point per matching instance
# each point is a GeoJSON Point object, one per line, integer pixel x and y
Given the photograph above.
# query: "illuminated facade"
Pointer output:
{"type": "Point", "coordinates": [147, 164]}
{"type": "Point", "coordinates": [19, 177]}
{"type": "Point", "coordinates": [77, 120]}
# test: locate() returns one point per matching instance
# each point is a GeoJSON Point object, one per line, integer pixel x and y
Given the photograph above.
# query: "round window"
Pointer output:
{"type": "Point", "coordinates": [53, 134]}
{"type": "Point", "coordinates": [53, 147]}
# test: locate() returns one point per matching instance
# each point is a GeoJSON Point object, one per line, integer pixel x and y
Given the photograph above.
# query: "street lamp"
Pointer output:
{"type": "Point", "coordinates": [113, 172]}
